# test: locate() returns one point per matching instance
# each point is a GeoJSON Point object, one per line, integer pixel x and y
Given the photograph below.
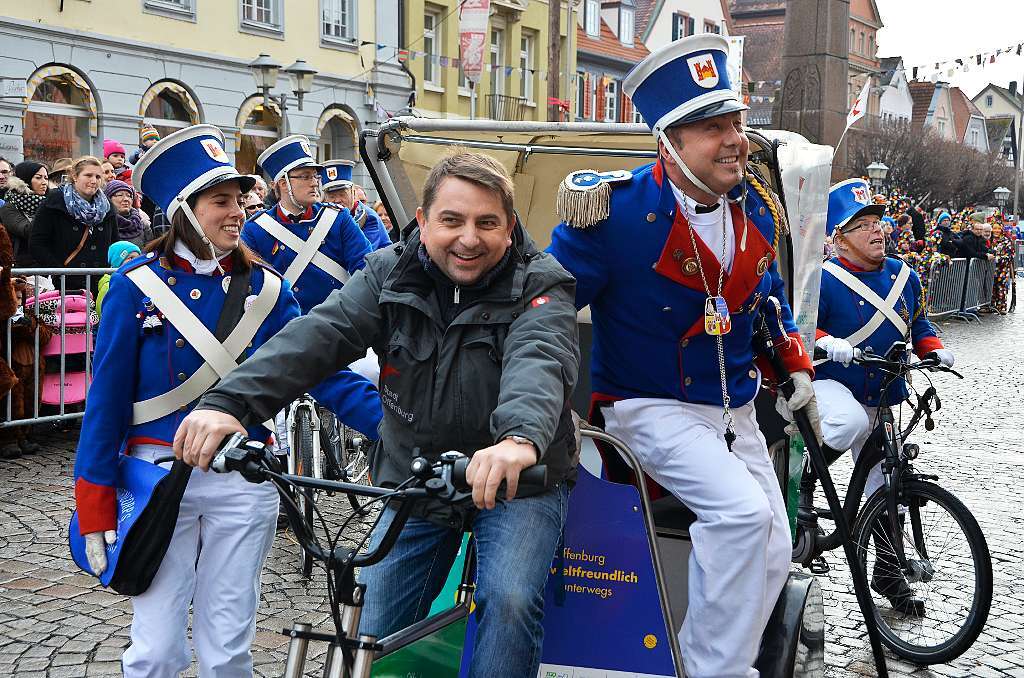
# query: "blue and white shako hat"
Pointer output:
{"type": "Point", "coordinates": [685, 81]}
{"type": "Point", "coordinates": [335, 174]}
{"type": "Point", "coordinates": [183, 164]}
{"type": "Point", "coordinates": [285, 155]}
{"type": "Point", "coordinates": [848, 200]}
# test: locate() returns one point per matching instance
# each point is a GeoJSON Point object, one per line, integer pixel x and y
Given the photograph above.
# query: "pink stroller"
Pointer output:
{"type": "Point", "coordinates": [79, 317]}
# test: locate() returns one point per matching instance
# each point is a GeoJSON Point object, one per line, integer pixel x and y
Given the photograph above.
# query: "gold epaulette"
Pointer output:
{"type": "Point", "coordinates": [774, 206]}
{"type": "Point", "coordinates": [585, 196]}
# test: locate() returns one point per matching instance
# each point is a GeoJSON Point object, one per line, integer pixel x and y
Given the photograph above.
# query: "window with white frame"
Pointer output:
{"type": "Point", "coordinates": [338, 19]}
{"type": "Point", "coordinates": [636, 115]}
{"type": "Point", "coordinates": [592, 17]}
{"type": "Point", "coordinates": [527, 67]}
{"type": "Point", "coordinates": [974, 138]}
{"type": "Point", "coordinates": [171, 7]}
{"type": "Point", "coordinates": [262, 12]}
{"type": "Point", "coordinates": [682, 25]}
{"type": "Point", "coordinates": [431, 44]}
{"type": "Point", "coordinates": [497, 61]}
{"type": "Point", "coordinates": [611, 100]}
{"type": "Point", "coordinates": [988, 101]}
{"type": "Point", "coordinates": [626, 22]}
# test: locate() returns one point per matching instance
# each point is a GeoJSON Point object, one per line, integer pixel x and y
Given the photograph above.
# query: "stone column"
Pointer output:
{"type": "Point", "coordinates": [814, 79]}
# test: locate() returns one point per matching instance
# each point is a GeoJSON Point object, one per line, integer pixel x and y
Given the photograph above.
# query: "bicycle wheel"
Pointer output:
{"type": "Point", "coordinates": [302, 446]}
{"type": "Point", "coordinates": [952, 573]}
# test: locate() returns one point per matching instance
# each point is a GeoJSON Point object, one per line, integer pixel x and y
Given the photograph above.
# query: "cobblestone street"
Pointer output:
{"type": "Point", "coordinates": [55, 622]}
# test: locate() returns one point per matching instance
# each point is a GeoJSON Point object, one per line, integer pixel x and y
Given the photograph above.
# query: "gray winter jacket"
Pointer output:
{"type": "Point", "coordinates": [505, 365]}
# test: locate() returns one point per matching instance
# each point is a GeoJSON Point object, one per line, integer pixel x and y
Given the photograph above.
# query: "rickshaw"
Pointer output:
{"type": "Point", "coordinates": [616, 597]}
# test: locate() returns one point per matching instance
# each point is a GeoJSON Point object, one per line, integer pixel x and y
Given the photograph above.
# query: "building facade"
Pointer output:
{"type": "Point", "coordinates": [608, 47]}
{"type": "Point", "coordinates": [968, 121]}
{"type": "Point", "coordinates": [514, 82]}
{"type": "Point", "coordinates": [864, 64]}
{"type": "Point", "coordinates": [100, 69]}
{"type": "Point", "coordinates": [663, 21]}
{"type": "Point", "coordinates": [933, 109]}
{"type": "Point", "coordinates": [895, 103]}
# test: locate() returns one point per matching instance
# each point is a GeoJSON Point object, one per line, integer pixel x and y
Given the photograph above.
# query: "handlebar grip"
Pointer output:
{"type": "Point", "coordinates": [531, 478]}
{"type": "Point", "coordinates": [820, 353]}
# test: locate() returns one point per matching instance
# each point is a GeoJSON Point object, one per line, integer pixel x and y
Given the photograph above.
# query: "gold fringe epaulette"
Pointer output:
{"type": "Point", "coordinates": [585, 196]}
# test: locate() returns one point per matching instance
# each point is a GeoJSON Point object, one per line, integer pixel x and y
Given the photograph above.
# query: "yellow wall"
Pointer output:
{"type": "Point", "coordinates": [451, 102]}
{"type": "Point", "coordinates": [216, 29]}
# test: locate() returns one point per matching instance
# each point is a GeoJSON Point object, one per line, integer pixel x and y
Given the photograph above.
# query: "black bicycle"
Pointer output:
{"type": "Point", "coordinates": [351, 654]}
{"type": "Point", "coordinates": [930, 564]}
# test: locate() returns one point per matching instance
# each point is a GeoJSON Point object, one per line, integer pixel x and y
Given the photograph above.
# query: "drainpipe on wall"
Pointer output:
{"type": "Point", "coordinates": [411, 102]}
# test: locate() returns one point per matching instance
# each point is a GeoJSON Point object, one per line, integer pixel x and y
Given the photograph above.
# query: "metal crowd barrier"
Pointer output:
{"type": "Point", "coordinates": [58, 278]}
{"type": "Point", "coordinates": [946, 279]}
{"type": "Point", "coordinates": [977, 288]}
{"type": "Point", "coordinates": [1020, 258]}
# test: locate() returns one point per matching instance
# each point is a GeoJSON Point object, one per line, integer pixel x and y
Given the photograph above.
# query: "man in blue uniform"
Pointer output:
{"type": "Point", "coordinates": [336, 178]}
{"type": "Point", "coordinates": [674, 260]}
{"type": "Point", "coordinates": [868, 301]}
{"type": "Point", "coordinates": [316, 247]}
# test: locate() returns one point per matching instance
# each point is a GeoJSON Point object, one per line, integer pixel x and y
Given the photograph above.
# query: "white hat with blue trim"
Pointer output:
{"type": "Point", "coordinates": [335, 174]}
{"type": "Point", "coordinates": [848, 200]}
{"type": "Point", "coordinates": [285, 155]}
{"type": "Point", "coordinates": [183, 164]}
{"type": "Point", "coordinates": [684, 81]}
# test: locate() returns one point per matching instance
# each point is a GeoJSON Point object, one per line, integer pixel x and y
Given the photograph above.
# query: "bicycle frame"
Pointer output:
{"type": "Point", "coordinates": [304, 402]}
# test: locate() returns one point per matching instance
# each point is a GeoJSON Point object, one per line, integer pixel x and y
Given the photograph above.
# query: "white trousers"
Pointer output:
{"type": "Point", "coordinates": [213, 565]}
{"type": "Point", "coordinates": [846, 424]}
{"type": "Point", "coordinates": [741, 540]}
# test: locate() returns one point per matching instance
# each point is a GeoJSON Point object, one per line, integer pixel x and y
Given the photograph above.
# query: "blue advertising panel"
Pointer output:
{"type": "Point", "coordinates": [602, 611]}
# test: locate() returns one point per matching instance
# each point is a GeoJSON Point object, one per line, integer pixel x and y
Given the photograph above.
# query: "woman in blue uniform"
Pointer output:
{"type": "Point", "coordinates": [156, 353]}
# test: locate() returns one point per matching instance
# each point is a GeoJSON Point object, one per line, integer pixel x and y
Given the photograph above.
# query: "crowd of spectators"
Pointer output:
{"type": "Point", "coordinates": [930, 241]}
{"type": "Point", "coordinates": [79, 213]}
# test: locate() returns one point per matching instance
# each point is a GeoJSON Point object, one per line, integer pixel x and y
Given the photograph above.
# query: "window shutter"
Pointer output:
{"type": "Point", "coordinates": [626, 115]}
{"type": "Point", "coordinates": [586, 97]}
{"type": "Point", "coordinates": [690, 26]}
{"type": "Point", "coordinates": [675, 26]}
{"type": "Point", "coordinates": [600, 106]}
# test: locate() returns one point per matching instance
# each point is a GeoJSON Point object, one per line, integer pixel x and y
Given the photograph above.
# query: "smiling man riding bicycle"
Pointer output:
{"type": "Point", "coordinates": [477, 335]}
{"type": "Point", "coordinates": [867, 301]}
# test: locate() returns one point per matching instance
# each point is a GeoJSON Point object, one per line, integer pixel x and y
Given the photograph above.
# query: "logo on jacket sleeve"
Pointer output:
{"type": "Point", "coordinates": [539, 301]}
{"type": "Point", "coordinates": [703, 71]}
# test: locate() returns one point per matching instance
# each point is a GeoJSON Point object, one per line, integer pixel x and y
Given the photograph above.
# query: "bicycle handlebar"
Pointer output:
{"type": "Point", "coordinates": [873, 359]}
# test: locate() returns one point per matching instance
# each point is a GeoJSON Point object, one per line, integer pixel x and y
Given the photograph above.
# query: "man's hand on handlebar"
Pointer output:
{"type": "Point", "coordinates": [492, 465]}
{"type": "Point", "coordinates": [201, 433]}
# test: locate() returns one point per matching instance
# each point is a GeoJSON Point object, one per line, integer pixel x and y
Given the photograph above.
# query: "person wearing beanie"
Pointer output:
{"type": "Point", "coordinates": [117, 254]}
{"type": "Point", "coordinates": [26, 190]}
{"type": "Point", "coordinates": [115, 153]}
{"type": "Point", "coordinates": [148, 136]}
{"type": "Point", "coordinates": [949, 242]}
{"type": "Point", "coordinates": [131, 225]}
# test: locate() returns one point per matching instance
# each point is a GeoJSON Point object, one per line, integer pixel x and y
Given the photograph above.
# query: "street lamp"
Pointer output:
{"type": "Point", "coordinates": [265, 71]}
{"type": "Point", "coordinates": [877, 172]}
{"type": "Point", "coordinates": [1001, 195]}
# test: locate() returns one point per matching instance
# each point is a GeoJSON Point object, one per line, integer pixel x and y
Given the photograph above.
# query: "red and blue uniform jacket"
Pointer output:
{"type": "Point", "coordinates": [637, 271]}
{"type": "Point", "coordinates": [132, 365]}
{"type": "Point", "coordinates": [841, 312]}
{"type": "Point", "coordinates": [345, 244]}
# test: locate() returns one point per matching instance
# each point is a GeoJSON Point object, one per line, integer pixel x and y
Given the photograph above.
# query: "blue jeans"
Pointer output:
{"type": "Point", "coordinates": [516, 543]}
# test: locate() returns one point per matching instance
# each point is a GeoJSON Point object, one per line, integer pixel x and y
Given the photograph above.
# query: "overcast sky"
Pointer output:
{"type": "Point", "coordinates": [926, 31]}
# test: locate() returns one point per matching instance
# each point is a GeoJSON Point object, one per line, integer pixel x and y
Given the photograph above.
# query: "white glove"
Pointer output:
{"type": "Point", "coordinates": [945, 356]}
{"type": "Point", "coordinates": [96, 549]}
{"type": "Point", "coordinates": [802, 398]}
{"type": "Point", "coordinates": [839, 350]}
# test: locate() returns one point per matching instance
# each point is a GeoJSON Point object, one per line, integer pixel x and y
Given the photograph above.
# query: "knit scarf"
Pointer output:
{"type": "Point", "coordinates": [129, 227]}
{"type": "Point", "coordinates": [85, 212]}
{"type": "Point", "coordinates": [26, 203]}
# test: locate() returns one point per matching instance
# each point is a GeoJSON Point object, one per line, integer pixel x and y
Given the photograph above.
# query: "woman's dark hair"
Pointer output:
{"type": "Point", "coordinates": [242, 257]}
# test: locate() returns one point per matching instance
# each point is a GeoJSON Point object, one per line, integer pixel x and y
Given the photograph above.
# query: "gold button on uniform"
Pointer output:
{"type": "Point", "coordinates": [180, 343]}
{"type": "Point", "coordinates": [171, 280]}
{"type": "Point", "coordinates": [684, 343]}
{"type": "Point", "coordinates": [195, 294]}
{"type": "Point", "coordinates": [687, 381]}
{"type": "Point", "coordinates": [689, 266]}
{"type": "Point", "coordinates": [761, 211]}
{"type": "Point", "coordinates": [182, 376]}
{"type": "Point", "coordinates": [651, 217]}
{"type": "Point", "coordinates": [753, 374]}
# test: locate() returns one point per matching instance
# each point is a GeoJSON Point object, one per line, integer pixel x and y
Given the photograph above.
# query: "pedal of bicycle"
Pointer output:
{"type": "Point", "coordinates": [819, 566]}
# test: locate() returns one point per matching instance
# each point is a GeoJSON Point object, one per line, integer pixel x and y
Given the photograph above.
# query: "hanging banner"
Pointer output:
{"type": "Point", "coordinates": [472, 36]}
{"type": "Point", "coordinates": [736, 63]}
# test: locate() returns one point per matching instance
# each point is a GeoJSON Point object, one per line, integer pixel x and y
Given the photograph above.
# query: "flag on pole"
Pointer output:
{"type": "Point", "coordinates": [860, 105]}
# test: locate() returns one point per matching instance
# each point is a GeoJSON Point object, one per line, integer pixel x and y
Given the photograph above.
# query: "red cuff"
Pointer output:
{"type": "Point", "coordinates": [819, 333]}
{"type": "Point", "coordinates": [97, 507]}
{"type": "Point", "coordinates": [926, 345]}
{"type": "Point", "coordinates": [794, 357]}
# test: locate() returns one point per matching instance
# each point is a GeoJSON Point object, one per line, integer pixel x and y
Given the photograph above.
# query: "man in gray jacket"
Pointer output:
{"type": "Point", "coordinates": [476, 333]}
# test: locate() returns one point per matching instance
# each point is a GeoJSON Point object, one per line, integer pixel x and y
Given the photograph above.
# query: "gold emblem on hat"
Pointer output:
{"type": "Point", "coordinates": [689, 266]}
